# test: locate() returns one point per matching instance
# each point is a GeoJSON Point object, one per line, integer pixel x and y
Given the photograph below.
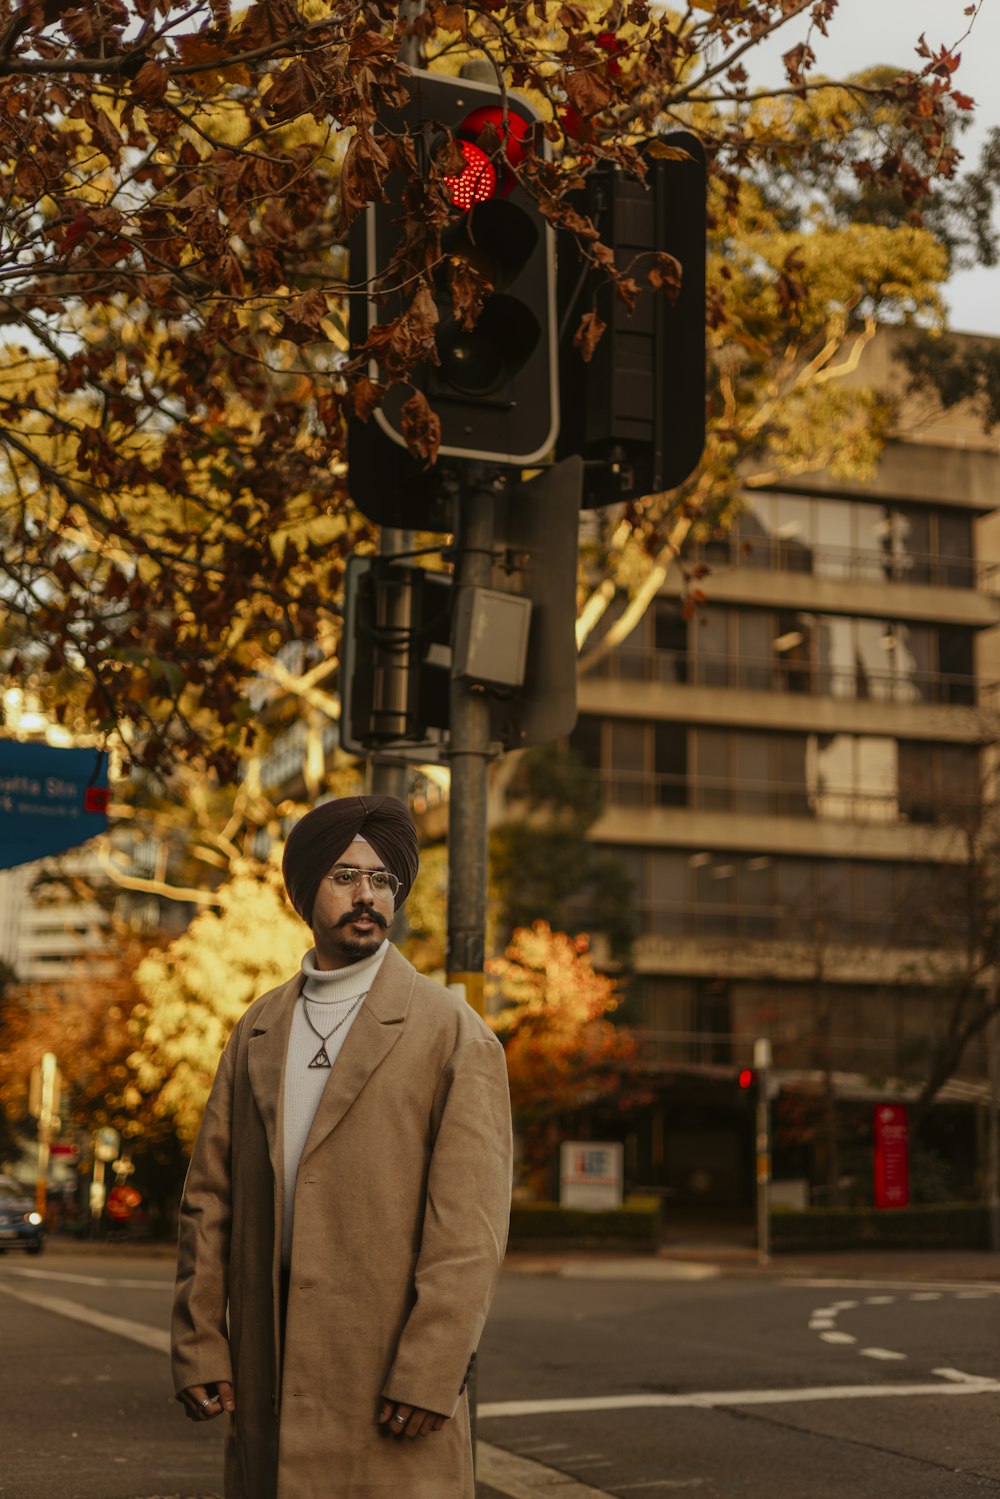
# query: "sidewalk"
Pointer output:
{"type": "Point", "coordinates": [693, 1260]}
{"type": "Point", "coordinates": [706, 1261]}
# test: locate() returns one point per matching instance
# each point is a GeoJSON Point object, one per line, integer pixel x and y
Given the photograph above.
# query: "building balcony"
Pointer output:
{"type": "Point", "coordinates": [907, 599]}
{"type": "Point", "coordinates": [854, 682]}
{"type": "Point", "coordinates": [848, 564]}
{"type": "Point", "coordinates": [769, 798]}
{"type": "Point", "coordinates": [639, 682]}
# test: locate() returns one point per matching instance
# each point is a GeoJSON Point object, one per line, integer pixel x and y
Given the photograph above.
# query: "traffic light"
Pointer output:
{"type": "Point", "coordinates": [515, 639]}
{"type": "Point", "coordinates": [636, 411]}
{"type": "Point", "coordinates": [746, 1079]}
{"type": "Point", "coordinates": [458, 261]}
{"type": "Point", "coordinates": [395, 657]}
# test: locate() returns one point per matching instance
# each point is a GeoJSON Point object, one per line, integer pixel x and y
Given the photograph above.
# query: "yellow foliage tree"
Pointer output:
{"type": "Point", "coordinates": [195, 990]}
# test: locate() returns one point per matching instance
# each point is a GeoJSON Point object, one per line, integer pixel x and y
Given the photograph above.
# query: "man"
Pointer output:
{"type": "Point", "coordinates": [345, 1212]}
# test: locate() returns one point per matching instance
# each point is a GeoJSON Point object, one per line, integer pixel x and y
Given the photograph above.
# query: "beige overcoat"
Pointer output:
{"type": "Point", "coordinates": [401, 1212]}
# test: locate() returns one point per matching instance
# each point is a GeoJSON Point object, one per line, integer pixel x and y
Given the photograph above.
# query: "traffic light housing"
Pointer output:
{"type": "Point", "coordinates": [636, 411]}
{"type": "Point", "coordinates": [399, 647]}
{"type": "Point", "coordinates": [458, 240]}
{"type": "Point", "coordinates": [395, 655]}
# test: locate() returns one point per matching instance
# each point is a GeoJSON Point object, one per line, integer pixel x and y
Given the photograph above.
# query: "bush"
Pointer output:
{"type": "Point", "coordinates": [546, 1225]}
{"type": "Point", "coordinates": [957, 1225]}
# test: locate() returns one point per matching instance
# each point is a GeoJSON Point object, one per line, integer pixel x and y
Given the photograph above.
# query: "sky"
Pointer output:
{"type": "Point", "coordinates": [865, 32]}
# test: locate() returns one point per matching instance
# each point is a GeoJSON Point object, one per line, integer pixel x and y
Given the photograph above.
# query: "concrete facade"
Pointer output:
{"type": "Point", "coordinates": [789, 774]}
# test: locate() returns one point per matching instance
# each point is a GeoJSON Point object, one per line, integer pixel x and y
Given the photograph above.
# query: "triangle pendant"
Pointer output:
{"type": "Point", "coordinates": [320, 1059]}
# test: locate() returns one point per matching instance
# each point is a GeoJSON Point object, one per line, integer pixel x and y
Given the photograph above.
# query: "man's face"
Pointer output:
{"type": "Point", "coordinates": [350, 922]}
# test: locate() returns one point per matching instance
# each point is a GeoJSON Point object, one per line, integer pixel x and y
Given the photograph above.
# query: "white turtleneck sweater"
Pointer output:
{"type": "Point", "coordinates": [330, 993]}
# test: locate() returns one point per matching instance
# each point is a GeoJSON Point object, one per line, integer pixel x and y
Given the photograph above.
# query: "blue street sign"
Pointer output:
{"type": "Point", "coordinates": [50, 799]}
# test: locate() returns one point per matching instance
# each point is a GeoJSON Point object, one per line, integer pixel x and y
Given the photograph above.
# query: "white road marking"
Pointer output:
{"type": "Point", "coordinates": [879, 1353]}
{"type": "Point", "coordinates": [956, 1374]}
{"type": "Point", "coordinates": [818, 1323]}
{"type": "Point", "coordinates": [843, 1306]}
{"type": "Point", "coordinates": [123, 1327]}
{"type": "Point", "coordinates": [637, 1270]}
{"type": "Point", "coordinates": [972, 1295]}
{"type": "Point", "coordinates": [826, 1311]}
{"type": "Point", "coordinates": [520, 1478]}
{"type": "Point", "coordinates": [713, 1399]}
{"type": "Point", "coordinates": [837, 1337]}
{"type": "Point", "coordinates": [926, 1296]}
{"type": "Point", "coordinates": [986, 1288]}
{"type": "Point", "coordinates": [879, 1300]}
{"type": "Point", "coordinates": [663, 1483]}
{"type": "Point", "coordinates": [93, 1280]}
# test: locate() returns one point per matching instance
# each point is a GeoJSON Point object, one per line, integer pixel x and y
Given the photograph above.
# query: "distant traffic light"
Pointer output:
{"type": "Point", "coordinates": [459, 260]}
{"type": "Point", "coordinates": [747, 1078]}
{"type": "Point", "coordinates": [636, 411]}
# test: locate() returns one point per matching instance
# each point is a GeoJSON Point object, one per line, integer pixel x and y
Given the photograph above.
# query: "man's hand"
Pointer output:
{"type": "Point", "coordinates": [203, 1402]}
{"type": "Point", "coordinates": [408, 1420]}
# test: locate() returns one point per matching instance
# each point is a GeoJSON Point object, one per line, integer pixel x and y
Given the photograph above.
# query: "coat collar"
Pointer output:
{"type": "Point", "coordinates": [266, 1060]}
{"type": "Point", "coordinates": [372, 1036]}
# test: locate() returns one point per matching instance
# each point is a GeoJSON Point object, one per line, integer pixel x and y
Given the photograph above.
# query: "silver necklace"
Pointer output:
{"type": "Point", "coordinates": [322, 1059]}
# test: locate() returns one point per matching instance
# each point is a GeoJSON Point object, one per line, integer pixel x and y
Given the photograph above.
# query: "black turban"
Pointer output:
{"type": "Point", "coordinates": [318, 840]}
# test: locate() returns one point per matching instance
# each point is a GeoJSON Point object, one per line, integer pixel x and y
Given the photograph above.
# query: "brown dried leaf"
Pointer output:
{"type": "Point", "coordinates": [421, 427]}
{"type": "Point", "coordinates": [150, 83]}
{"type": "Point", "coordinates": [310, 309]}
{"type": "Point", "coordinates": [589, 91]}
{"type": "Point", "coordinates": [367, 395]}
{"type": "Point", "coordinates": [588, 335]}
{"type": "Point", "coordinates": [362, 178]}
{"type": "Point", "coordinates": [666, 274]}
{"type": "Point", "coordinates": [468, 288]}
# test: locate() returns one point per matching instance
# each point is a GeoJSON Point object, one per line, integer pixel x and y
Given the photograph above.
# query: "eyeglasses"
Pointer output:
{"type": "Point", "coordinates": [381, 881]}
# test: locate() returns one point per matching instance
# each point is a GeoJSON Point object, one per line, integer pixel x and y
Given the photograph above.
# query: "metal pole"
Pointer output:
{"type": "Point", "coordinates": [762, 1067]}
{"type": "Point", "coordinates": [993, 1132]}
{"type": "Point", "coordinates": [46, 1122]}
{"type": "Point", "coordinates": [389, 775]}
{"type": "Point", "coordinates": [468, 754]}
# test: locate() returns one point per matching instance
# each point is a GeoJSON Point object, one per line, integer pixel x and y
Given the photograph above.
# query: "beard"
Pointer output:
{"type": "Point", "coordinates": [338, 940]}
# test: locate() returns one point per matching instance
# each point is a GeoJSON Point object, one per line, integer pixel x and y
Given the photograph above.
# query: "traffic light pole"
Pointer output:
{"type": "Point", "coordinates": [762, 1067]}
{"type": "Point", "coordinates": [468, 754]}
{"type": "Point", "coordinates": [390, 774]}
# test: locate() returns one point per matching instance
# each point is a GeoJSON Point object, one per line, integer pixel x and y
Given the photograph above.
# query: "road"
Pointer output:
{"type": "Point", "coordinates": [733, 1387]}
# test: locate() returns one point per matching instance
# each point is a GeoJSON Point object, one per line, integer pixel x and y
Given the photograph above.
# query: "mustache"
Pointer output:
{"type": "Point", "coordinates": [367, 912]}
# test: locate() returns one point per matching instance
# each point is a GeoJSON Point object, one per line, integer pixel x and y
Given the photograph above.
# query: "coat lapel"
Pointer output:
{"type": "Point", "coordinates": [374, 1033]}
{"type": "Point", "coordinates": [266, 1062]}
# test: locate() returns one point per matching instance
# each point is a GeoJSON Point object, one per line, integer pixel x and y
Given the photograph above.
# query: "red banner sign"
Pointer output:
{"type": "Point", "coordinates": [892, 1155]}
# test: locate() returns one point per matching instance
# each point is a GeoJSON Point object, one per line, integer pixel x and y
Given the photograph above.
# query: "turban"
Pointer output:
{"type": "Point", "coordinates": [318, 840]}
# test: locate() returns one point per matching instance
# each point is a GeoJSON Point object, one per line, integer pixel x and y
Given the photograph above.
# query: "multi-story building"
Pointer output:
{"type": "Point", "coordinates": [787, 775]}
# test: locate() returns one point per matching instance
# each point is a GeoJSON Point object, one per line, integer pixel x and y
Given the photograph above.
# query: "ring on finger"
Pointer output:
{"type": "Point", "coordinates": [400, 1419]}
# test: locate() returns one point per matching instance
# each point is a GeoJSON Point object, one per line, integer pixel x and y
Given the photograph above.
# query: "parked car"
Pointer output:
{"type": "Point", "coordinates": [21, 1226]}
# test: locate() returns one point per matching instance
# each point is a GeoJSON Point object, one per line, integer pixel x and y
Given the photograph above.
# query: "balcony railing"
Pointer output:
{"type": "Point", "coordinates": [807, 678]}
{"type": "Point", "coordinates": [770, 798]}
{"type": "Point", "coordinates": [847, 564]}
{"type": "Point", "coordinates": [735, 919]}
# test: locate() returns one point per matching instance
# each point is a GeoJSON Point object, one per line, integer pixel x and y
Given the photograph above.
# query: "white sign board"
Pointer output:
{"type": "Point", "coordinates": [590, 1174]}
{"type": "Point", "coordinates": [107, 1143]}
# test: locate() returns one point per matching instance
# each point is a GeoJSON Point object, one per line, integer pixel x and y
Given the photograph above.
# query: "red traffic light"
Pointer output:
{"type": "Point", "coordinates": [747, 1078]}
{"type": "Point", "coordinates": [476, 182]}
{"type": "Point", "coordinates": [479, 179]}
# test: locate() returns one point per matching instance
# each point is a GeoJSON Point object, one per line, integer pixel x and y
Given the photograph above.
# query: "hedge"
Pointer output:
{"type": "Point", "coordinates": [957, 1225]}
{"type": "Point", "coordinates": [542, 1225]}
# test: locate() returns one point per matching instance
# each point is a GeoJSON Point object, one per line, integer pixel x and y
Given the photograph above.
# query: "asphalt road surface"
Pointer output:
{"type": "Point", "coordinates": [590, 1385]}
